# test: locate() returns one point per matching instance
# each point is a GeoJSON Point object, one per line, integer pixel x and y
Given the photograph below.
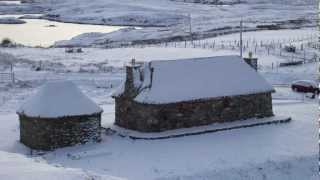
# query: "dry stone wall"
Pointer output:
{"type": "Point", "coordinates": [50, 133]}
{"type": "Point", "coordinates": [161, 117]}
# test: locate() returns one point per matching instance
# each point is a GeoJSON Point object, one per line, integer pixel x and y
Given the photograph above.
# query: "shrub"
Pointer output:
{"type": "Point", "coordinates": [6, 42]}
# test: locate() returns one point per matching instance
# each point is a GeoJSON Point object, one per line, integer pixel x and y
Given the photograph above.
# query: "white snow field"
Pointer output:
{"type": "Point", "coordinates": [18, 167]}
{"type": "Point", "coordinates": [277, 152]}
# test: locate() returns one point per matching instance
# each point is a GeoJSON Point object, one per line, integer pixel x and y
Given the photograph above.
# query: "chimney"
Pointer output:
{"type": "Point", "coordinates": [131, 69]}
{"type": "Point", "coordinates": [253, 62]}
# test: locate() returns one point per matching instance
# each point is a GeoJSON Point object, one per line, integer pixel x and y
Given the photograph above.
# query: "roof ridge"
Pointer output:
{"type": "Point", "coordinates": [190, 59]}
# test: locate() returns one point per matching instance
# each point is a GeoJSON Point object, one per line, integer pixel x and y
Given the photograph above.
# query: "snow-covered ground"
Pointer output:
{"type": "Point", "coordinates": [286, 152]}
{"type": "Point", "coordinates": [128, 37]}
{"type": "Point", "coordinates": [112, 60]}
{"type": "Point", "coordinates": [277, 152]}
{"type": "Point", "coordinates": [269, 151]}
{"type": "Point", "coordinates": [19, 167]}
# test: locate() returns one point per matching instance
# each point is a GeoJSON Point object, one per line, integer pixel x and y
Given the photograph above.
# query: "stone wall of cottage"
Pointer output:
{"type": "Point", "coordinates": [157, 118]}
{"type": "Point", "coordinates": [49, 134]}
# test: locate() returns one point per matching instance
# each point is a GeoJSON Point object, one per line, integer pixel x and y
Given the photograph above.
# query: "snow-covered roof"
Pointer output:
{"type": "Point", "coordinates": [58, 99]}
{"type": "Point", "coordinates": [201, 78]}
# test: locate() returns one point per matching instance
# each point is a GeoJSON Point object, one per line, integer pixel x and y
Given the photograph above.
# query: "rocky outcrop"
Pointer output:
{"type": "Point", "coordinates": [11, 20]}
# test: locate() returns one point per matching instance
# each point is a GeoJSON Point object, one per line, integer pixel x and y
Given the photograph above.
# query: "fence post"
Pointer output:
{"type": "Point", "coordinates": [12, 73]}
{"type": "Point", "coordinates": [12, 77]}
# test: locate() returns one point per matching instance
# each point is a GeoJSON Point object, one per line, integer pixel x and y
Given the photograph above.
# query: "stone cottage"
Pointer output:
{"type": "Point", "coordinates": [59, 115]}
{"type": "Point", "coordinates": [163, 95]}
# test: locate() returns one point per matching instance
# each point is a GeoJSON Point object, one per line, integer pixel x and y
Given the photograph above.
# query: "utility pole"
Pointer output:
{"type": "Point", "coordinates": [318, 24]}
{"type": "Point", "coordinates": [190, 27]}
{"type": "Point", "coordinates": [12, 73]}
{"type": "Point", "coordinates": [241, 41]}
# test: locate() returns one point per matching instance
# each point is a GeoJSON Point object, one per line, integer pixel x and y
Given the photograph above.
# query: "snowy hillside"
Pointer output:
{"type": "Point", "coordinates": [147, 12]}
{"type": "Point", "coordinates": [206, 20]}
{"type": "Point", "coordinates": [166, 20]}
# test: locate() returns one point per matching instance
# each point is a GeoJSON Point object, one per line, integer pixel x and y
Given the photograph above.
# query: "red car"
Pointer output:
{"type": "Point", "coordinates": [305, 86]}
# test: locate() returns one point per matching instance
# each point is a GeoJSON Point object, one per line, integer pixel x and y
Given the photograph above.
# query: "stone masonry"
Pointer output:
{"type": "Point", "coordinates": [161, 117]}
{"type": "Point", "coordinates": [51, 133]}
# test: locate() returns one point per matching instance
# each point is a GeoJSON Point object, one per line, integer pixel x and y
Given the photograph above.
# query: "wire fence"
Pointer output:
{"type": "Point", "coordinates": [273, 47]}
{"type": "Point", "coordinates": [7, 77]}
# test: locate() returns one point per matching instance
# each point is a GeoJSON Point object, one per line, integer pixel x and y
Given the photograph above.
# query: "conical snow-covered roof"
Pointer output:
{"type": "Point", "coordinates": [59, 99]}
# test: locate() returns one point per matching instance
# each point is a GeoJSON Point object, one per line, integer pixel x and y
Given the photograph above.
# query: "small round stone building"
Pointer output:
{"type": "Point", "coordinates": [59, 115]}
